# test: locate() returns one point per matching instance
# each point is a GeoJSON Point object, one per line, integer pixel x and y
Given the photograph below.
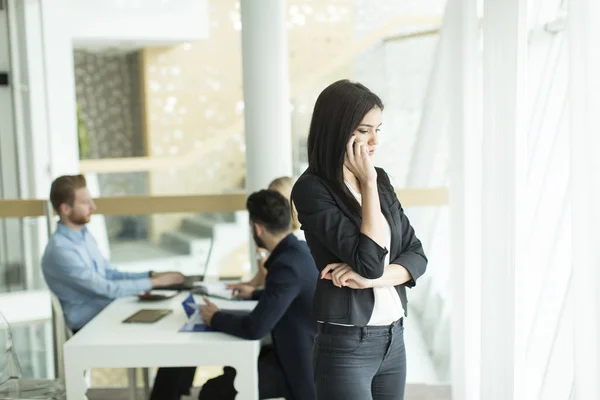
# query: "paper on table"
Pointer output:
{"type": "Point", "coordinates": [216, 289]}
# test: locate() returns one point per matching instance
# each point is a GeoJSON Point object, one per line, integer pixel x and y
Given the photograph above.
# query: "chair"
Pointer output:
{"type": "Point", "coordinates": [12, 385]}
{"type": "Point", "coordinates": [62, 333]}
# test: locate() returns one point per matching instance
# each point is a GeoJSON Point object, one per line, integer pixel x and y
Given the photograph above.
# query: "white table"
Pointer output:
{"type": "Point", "coordinates": [105, 342]}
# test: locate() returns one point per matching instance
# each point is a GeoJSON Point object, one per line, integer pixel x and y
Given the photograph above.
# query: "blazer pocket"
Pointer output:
{"type": "Point", "coordinates": [331, 304]}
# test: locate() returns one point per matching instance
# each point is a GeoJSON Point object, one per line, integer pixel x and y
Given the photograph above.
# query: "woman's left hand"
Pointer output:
{"type": "Point", "coordinates": [342, 275]}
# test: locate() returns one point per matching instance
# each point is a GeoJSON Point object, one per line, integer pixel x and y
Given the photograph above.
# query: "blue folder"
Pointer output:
{"type": "Point", "coordinates": [195, 323]}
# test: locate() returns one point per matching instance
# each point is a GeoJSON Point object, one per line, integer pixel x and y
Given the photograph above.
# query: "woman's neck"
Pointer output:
{"type": "Point", "coordinates": [351, 180]}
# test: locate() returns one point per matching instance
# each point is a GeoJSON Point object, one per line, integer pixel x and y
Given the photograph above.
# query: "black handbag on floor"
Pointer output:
{"type": "Point", "coordinates": [221, 387]}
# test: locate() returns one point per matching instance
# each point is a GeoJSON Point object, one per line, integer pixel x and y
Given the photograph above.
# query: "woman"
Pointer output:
{"type": "Point", "coordinates": [364, 246]}
{"type": "Point", "coordinates": [284, 186]}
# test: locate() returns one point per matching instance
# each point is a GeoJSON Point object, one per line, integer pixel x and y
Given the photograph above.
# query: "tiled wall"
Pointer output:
{"type": "Point", "coordinates": [108, 94]}
{"type": "Point", "coordinates": [108, 88]}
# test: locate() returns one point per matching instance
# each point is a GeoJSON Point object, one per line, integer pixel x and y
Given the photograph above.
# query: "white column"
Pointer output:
{"type": "Point", "coordinates": [48, 85]}
{"type": "Point", "coordinates": [44, 93]}
{"type": "Point", "coordinates": [462, 95]}
{"type": "Point", "coordinates": [266, 92]}
{"type": "Point", "coordinates": [583, 31]}
{"type": "Point", "coordinates": [60, 88]}
{"type": "Point", "coordinates": [503, 172]}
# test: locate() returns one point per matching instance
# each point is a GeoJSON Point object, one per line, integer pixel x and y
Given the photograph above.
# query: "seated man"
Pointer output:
{"type": "Point", "coordinates": [284, 309]}
{"type": "Point", "coordinates": [283, 185]}
{"type": "Point", "coordinates": [73, 266]}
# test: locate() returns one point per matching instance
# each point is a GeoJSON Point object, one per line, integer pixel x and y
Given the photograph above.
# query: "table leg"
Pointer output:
{"type": "Point", "coordinates": [246, 380]}
{"type": "Point", "coordinates": [146, 373]}
{"type": "Point", "coordinates": [132, 381]}
{"type": "Point", "coordinates": [74, 380]}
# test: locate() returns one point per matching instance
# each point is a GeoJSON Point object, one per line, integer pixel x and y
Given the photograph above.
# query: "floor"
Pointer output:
{"type": "Point", "coordinates": [413, 392]}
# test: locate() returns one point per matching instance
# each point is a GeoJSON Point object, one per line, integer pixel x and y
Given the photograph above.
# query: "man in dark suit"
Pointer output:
{"type": "Point", "coordinates": [283, 309]}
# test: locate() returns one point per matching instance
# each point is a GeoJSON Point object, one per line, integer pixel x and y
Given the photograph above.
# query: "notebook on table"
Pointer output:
{"type": "Point", "coordinates": [147, 316]}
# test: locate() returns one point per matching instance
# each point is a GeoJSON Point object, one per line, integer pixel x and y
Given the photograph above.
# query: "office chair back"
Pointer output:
{"type": "Point", "coordinates": [9, 363]}
{"type": "Point", "coordinates": [61, 335]}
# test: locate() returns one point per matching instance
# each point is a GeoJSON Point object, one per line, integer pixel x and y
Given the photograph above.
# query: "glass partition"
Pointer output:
{"type": "Point", "coordinates": [33, 344]}
{"type": "Point", "coordinates": [12, 255]}
{"type": "Point", "coordinates": [213, 244]}
{"type": "Point", "coordinates": [24, 305]}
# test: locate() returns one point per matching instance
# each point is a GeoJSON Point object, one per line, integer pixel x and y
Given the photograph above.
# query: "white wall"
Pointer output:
{"type": "Point", "coordinates": [136, 24]}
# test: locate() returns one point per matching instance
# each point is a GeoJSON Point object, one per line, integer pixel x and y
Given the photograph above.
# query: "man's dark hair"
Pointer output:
{"type": "Point", "coordinates": [338, 111]}
{"type": "Point", "coordinates": [270, 209]}
{"type": "Point", "coordinates": [63, 190]}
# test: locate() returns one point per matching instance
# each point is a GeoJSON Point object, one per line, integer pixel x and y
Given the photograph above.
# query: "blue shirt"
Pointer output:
{"type": "Point", "coordinates": [79, 275]}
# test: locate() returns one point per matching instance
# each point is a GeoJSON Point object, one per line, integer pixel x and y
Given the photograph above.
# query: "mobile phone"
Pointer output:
{"type": "Point", "coordinates": [261, 254]}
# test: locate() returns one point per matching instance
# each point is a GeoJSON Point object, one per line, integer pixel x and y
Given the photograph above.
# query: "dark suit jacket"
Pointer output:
{"type": "Point", "coordinates": [284, 310]}
{"type": "Point", "coordinates": [333, 234]}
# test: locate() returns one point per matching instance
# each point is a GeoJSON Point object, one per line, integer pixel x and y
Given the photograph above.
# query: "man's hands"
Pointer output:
{"type": "Point", "coordinates": [164, 279]}
{"type": "Point", "coordinates": [242, 290]}
{"type": "Point", "coordinates": [208, 311]}
{"type": "Point", "coordinates": [261, 274]}
{"type": "Point", "coordinates": [342, 275]}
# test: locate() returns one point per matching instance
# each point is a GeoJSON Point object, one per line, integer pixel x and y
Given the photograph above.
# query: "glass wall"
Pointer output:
{"type": "Point", "coordinates": [169, 121]}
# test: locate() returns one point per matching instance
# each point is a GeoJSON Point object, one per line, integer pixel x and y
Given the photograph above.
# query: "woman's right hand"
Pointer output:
{"type": "Point", "coordinates": [343, 275]}
{"type": "Point", "coordinates": [358, 161]}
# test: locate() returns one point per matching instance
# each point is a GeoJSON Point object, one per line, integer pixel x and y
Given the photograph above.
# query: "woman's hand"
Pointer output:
{"type": "Point", "coordinates": [358, 161]}
{"type": "Point", "coordinates": [342, 275]}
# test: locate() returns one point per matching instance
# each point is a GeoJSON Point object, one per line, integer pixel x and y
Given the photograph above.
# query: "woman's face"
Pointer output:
{"type": "Point", "coordinates": [367, 131]}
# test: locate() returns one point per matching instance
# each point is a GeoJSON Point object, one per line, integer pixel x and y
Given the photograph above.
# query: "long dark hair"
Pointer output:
{"type": "Point", "coordinates": [338, 111]}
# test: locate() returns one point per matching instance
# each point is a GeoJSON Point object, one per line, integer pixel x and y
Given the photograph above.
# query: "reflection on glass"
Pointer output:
{"type": "Point", "coordinates": [212, 244]}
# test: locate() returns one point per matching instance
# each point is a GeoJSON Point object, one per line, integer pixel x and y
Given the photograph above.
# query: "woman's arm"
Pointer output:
{"type": "Point", "coordinates": [373, 221]}
{"type": "Point", "coordinates": [342, 275]}
{"type": "Point", "coordinates": [393, 275]}
{"type": "Point", "coordinates": [411, 257]}
{"type": "Point", "coordinates": [358, 162]}
{"type": "Point", "coordinates": [322, 218]}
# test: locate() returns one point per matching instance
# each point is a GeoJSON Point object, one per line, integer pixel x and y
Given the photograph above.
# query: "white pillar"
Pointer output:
{"type": "Point", "coordinates": [44, 86]}
{"type": "Point", "coordinates": [266, 92]}
{"type": "Point", "coordinates": [503, 172]}
{"type": "Point", "coordinates": [48, 87]}
{"type": "Point", "coordinates": [462, 95]}
{"type": "Point", "coordinates": [60, 88]}
{"type": "Point", "coordinates": [583, 32]}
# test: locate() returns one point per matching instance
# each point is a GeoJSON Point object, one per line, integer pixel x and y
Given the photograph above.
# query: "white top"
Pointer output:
{"type": "Point", "coordinates": [387, 307]}
{"type": "Point", "coordinates": [299, 235]}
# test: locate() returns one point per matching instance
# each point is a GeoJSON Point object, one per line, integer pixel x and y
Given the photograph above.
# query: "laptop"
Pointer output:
{"type": "Point", "coordinates": [191, 281]}
{"type": "Point", "coordinates": [196, 285]}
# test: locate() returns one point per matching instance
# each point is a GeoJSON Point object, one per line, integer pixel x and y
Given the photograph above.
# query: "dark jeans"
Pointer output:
{"type": "Point", "coordinates": [171, 383]}
{"type": "Point", "coordinates": [360, 363]}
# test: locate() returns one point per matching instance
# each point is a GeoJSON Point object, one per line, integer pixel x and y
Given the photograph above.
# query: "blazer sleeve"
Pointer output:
{"type": "Point", "coordinates": [412, 257]}
{"type": "Point", "coordinates": [281, 288]}
{"type": "Point", "coordinates": [321, 217]}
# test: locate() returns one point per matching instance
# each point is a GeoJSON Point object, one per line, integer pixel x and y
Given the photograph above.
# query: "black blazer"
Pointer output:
{"type": "Point", "coordinates": [333, 234]}
{"type": "Point", "coordinates": [284, 310]}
